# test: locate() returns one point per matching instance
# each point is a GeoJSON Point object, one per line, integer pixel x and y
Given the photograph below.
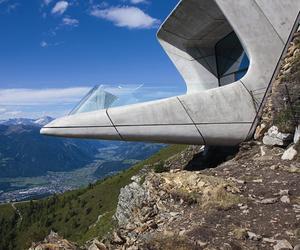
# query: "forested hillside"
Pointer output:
{"type": "Point", "coordinates": [74, 215]}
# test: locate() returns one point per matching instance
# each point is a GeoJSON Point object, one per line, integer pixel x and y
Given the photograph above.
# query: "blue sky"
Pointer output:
{"type": "Point", "coordinates": [53, 51]}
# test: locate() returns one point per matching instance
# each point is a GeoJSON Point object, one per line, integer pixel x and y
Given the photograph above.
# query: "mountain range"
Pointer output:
{"type": "Point", "coordinates": [26, 153]}
{"type": "Point", "coordinates": [27, 121]}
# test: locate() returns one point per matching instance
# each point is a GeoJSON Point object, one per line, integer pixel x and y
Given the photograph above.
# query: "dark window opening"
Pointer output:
{"type": "Point", "coordinates": [232, 61]}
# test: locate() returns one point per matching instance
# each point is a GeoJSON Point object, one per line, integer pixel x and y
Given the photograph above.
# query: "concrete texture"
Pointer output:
{"type": "Point", "coordinates": [209, 113]}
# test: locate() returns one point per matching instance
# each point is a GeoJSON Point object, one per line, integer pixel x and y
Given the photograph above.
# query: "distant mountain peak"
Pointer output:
{"type": "Point", "coordinates": [43, 120]}
{"type": "Point", "coordinates": [27, 121]}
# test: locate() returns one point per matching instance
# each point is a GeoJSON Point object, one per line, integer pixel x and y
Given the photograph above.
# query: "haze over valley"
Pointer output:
{"type": "Point", "coordinates": [34, 166]}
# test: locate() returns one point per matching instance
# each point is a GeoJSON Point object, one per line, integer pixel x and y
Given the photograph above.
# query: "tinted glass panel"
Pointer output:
{"type": "Point", "coordinates": [96, 99]}
{"type": "Point", "coordinates": [232, 61]}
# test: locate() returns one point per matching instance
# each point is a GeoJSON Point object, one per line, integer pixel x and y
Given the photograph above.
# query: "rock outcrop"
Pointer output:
{"type": "Point", "coordinates": [249, 202]}
{"type": "Point", "coordinates": [282, 107]}
{"type": "Point", "coordinates": [131, 197]}
{"type": "Point", "coordinates": [276, 138]}
{"type": "Point", "coordinates": [54, 242]}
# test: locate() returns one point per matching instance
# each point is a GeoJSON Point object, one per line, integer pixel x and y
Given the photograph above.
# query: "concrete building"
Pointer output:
{"type": "Point", "coordinates": [227, 52]}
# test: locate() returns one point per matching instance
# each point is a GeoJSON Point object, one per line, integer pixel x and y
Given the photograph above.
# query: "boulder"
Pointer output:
{"type": "Point", "coordinates": [269, 201]}
{"type": "Point", "coordinates": [54, 241]}
{"type": "Point", "coordinates": [283, 245]}
{"type": "Point", "coordinates": [289, 154]}
{"type": "Point", "coordinates": [118, 239]}
{"type": "Point", "coordinates": [275, 138]}
{"type": "Point", "coordinates": [253, 236]}
{"type": "Point", "coordinates": [97, 245]}
{"type": "Point", "coordinates": [297, 247]}
{"type": "Point", "coordinates": [259, 132]}
{"type": "Point", "coordinates": [285, 199]}
{"type": "Point", "coordinates": [297, 134]}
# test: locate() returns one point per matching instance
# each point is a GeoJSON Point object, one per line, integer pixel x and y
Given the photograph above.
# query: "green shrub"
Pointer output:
{"type": "Point", "coordinates": [142, 180]}
{"type": "Point", "coordinates": [284, 120]}
{"type": "Point", "coordinates": [160, 167]}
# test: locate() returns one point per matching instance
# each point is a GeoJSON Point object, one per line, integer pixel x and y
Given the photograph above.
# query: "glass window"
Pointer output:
{"type": "Point", "coordinates": [232, 61]}
{"type": "Point", "coordinates": [105, 96]}
{"type": "Point", "coordinates": [95, 99]}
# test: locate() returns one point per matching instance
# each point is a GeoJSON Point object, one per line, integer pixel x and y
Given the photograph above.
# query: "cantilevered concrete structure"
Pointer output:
{"type": "Point", "coordinates": [227, 52]}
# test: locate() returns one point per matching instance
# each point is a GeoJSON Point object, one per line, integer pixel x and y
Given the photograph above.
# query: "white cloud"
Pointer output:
{"type": "Point", "coordinates": [56, 102]}
{"type": "Point", "coordinates": [19, 97]}
{"type": "Point", "coordinates": [67, 21]}
{"type": "Point", "coordinates": [138, 1]}
{"type": "Point", "coordinates": [130, 17]}
{"type": "Point", "coordinates": [60, 7]}
{"type": "Point", "coordinates": [2, 110]}
{"type": "Point", "coordinates": [43, 44]}
{"type": "Point", "coordinates": [9, 5]}
{"type": "Point", "coordinates": [46, 2]}
{"type": "Point", "coordinates": [56, 96]}
{"type": "Point", "coordinates": [13, 114]}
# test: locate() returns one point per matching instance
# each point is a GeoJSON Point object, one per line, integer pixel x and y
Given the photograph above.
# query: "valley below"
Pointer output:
{"type": "Point", "coordinates": [26, 188]}
{"type": "Point", "coordinates": [38, 171]}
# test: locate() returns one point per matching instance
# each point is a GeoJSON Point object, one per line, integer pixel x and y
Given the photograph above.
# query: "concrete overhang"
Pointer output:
{"type": "Point", "coordinates": [210, 113]}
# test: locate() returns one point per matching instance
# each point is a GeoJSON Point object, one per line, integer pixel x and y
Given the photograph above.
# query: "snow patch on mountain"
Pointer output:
{"type": "Point", "coordinates": [27, 121]}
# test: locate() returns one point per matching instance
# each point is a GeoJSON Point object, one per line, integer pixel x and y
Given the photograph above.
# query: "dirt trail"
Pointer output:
{"type": "Point", "coordinates": [18, 212]}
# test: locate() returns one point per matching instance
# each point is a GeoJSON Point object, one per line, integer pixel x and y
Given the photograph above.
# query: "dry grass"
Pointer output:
{"type": "Point", "coordinates": [290, 169]}
{"type": "Point", "coordinates": [296, 200]}
{"type": "Point", "coordinates": [239, 233]}
{"type": "Point", "coordinates": [209, 192]}
{"type": "Point", "coordinates": [219, 198]}
{"type": "Point", "coordinates": [50, 246]}
{"type": "Point", "coordinates": [188, 198]}
{"type": "Point", "coordinates": [297, 233]}
{"type": "Point", "coordinates": [211, 198]}
{"type": "Point", "coordinates": [170, 243]}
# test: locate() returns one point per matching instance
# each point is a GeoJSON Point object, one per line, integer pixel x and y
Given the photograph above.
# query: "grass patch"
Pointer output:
{"type": "Point", "coordinates": [170, 242]}
{"type": "Point", "coordinates": [239, 233]}
{"type": "Point", "coordinates": [251, 178]}
{"type": "Point", "coordinates": [142, 180]}
{"type": "Point", "coordinates": [160, 167]}
{"type": "Point", "coordinates": [213, 192]}
{"type": "Point", "coordinates": [219, 198]}
{"type": "Point", "coordinates": [189, 198]}
{"type": "Point", "coordinates": [285, 121]}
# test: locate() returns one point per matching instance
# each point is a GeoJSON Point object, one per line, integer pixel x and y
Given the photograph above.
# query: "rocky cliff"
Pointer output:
{"type": "Point", "coordinates": [249, 202]}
